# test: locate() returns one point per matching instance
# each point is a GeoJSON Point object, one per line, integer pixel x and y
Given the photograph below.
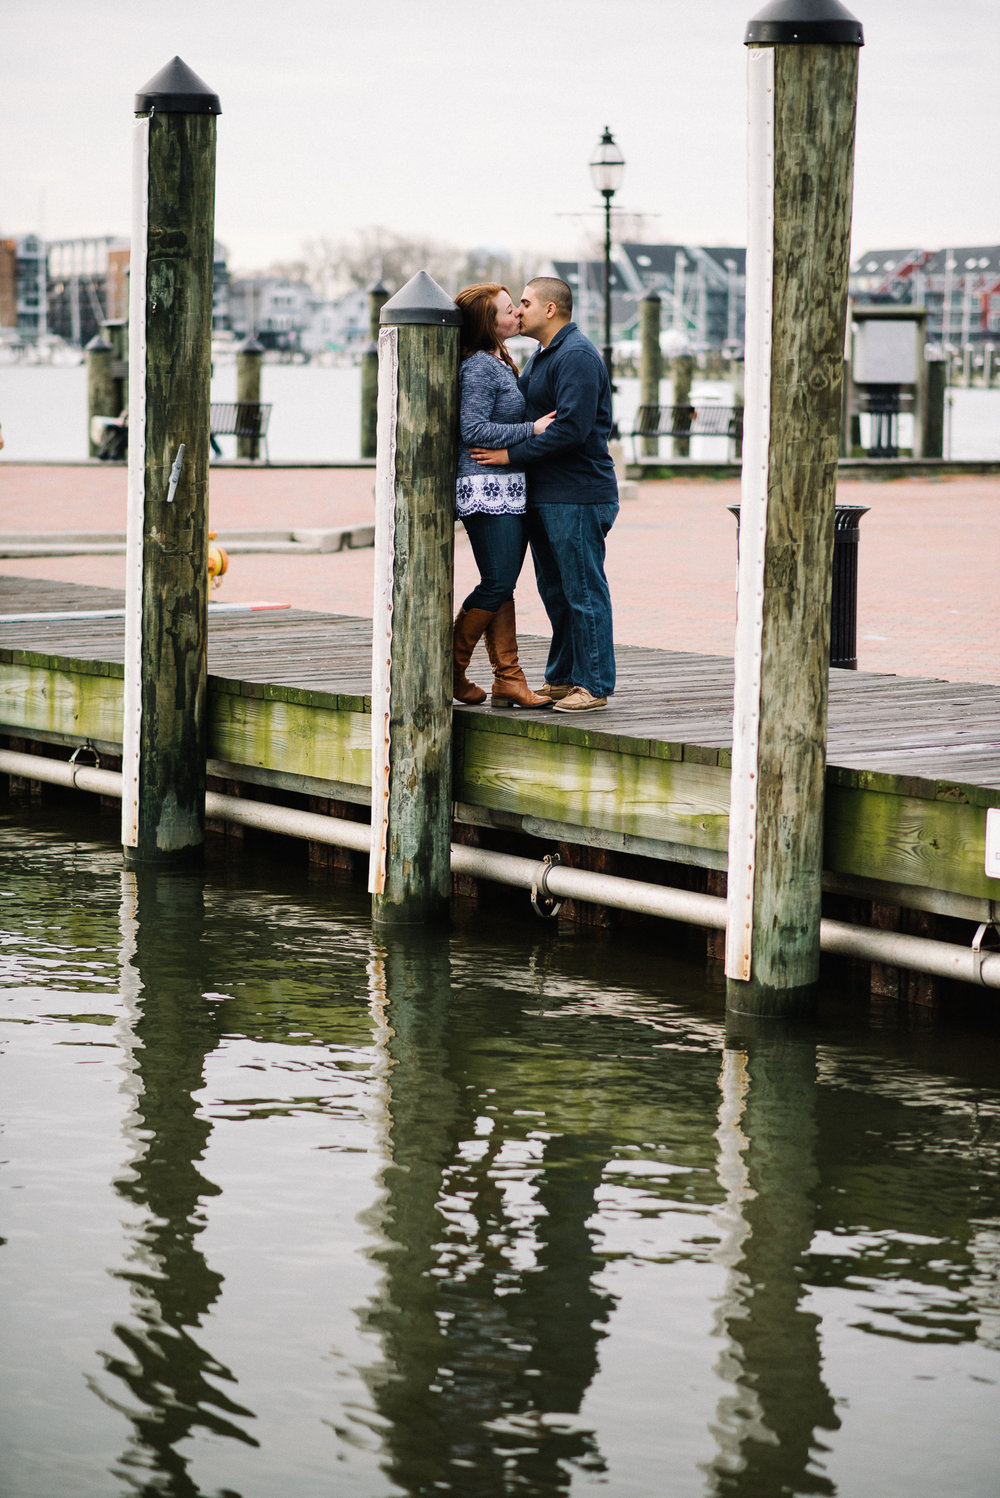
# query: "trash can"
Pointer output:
{"type": "Point", "coordinates": [844, 592]}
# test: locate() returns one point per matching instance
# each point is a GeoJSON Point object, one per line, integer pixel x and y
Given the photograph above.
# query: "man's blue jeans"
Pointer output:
{"type": "Point", "coordinates": [499, 543]}
{"type": "Point", "coordinates": [567, 545]}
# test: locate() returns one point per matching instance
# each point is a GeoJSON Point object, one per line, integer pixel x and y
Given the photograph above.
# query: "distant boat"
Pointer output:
{"type": "Point", "coordinates": [48, 349]}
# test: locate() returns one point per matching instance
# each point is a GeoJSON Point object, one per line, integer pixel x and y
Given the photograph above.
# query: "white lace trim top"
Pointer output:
{"type": "Point", "coordinates": [499, 492]}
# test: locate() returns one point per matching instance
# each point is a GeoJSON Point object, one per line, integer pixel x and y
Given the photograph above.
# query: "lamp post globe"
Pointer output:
{"type": "Point", "coordinates": [607, 168]}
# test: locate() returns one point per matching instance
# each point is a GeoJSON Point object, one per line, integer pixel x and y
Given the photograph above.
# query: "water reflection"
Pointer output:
{"type": "Point", "coordinates": [479, 1214]}
{"type": "Point", "coordinates": [776, 1402]}
{"type": "Point", "coordinates": [488, 1311]}
{"type": "Point", "coordinates": [174, 1382]}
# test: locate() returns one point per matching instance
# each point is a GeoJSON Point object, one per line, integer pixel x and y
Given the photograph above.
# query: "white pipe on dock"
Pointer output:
{"type": "Point", "coordinates": [556, 881]}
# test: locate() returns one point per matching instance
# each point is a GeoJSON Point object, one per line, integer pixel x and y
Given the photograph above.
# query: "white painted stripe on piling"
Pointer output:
{"type": "Point", "coordinates": [385, 545]}
{"type": "Point", "coordinates": [753, 510]}
{"type": "Point", "coordinates": [132, 697]}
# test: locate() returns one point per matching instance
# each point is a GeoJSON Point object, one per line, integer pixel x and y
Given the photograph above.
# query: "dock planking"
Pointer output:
{"type": "Point", "coordinates": [913, 763]}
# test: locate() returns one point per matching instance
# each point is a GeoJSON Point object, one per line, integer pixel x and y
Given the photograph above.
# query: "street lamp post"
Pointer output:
{"type": "Point", "coordinates": [607, 168]}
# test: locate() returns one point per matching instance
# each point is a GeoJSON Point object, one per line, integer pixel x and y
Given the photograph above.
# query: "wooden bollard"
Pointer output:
{"type": "Point", "coordinates": [683, 372]}
{"type": "Point", "coordinates": [166, 588]}
{"type": "Point", "coordinates": [377, 298]}
{"type": "Point", "coordinates": [937, 388]}
{"type": "Point", "coordinates": [410, 871]}
{"type": "Point", "coordinates": [650, 361]}
{"type": "Point", "coordinates": [116, 332]}
{"type": "Point", "coordinates": [100, 387]}
{"type": "Point", "coordinates": [802, 84]}
{"type": "Point", "coordinates": [248, 366]}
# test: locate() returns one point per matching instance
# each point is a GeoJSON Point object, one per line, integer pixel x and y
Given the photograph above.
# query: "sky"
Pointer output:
{"type": "Point", "coordinates": [475, 124]}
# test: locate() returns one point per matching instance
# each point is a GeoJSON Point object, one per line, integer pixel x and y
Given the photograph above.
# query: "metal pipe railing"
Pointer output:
{"type": "Point", "coordinates": [549, 881]}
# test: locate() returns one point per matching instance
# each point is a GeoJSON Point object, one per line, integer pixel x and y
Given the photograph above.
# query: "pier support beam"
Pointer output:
{"type": "Point", "coordinates": [410, 878]}
{"type": "Point", "coordinates": [802, 80]}
{"type": "Point", "coordinates": [166, 587]}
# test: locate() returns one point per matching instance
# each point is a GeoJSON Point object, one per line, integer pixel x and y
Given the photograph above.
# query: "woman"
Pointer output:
{"type": "Point", "coordinates": [491, 502]}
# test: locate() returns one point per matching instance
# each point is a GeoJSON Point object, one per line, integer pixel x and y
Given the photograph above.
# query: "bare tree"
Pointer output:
{"type": "Point", "coordinates": [332, 266]}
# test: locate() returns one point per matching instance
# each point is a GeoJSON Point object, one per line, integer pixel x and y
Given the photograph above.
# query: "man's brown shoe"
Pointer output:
{"type": "Point", "coordinates": [580, 701]}
{"type": "Point", "coordinates": [556, 693]}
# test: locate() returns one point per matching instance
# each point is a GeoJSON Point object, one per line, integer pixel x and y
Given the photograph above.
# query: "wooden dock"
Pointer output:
{"type": "Point", "coordinates": [913, 764]}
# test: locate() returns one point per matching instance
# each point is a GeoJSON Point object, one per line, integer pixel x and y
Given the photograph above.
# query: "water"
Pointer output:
{"type": "Point", "coordinates": [291, 1209]}
{"type": "Point", "coordinates": [316, 413]}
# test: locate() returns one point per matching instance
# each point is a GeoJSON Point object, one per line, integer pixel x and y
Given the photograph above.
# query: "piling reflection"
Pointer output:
{"type": "Point", "coordinates": [769, 1421]}
{"type": "Point", "coordinates": [172, 1384]}
{"type": "Point", "coordinates": [490, 1220]}
{"type": "Point", "coordinates": [488, 1314]}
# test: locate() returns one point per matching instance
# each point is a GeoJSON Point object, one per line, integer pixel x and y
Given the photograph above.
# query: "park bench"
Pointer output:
{"type": "Point", "coordinates": [690, 421]}
{"type": "Point", "coordinates": [239, 419]}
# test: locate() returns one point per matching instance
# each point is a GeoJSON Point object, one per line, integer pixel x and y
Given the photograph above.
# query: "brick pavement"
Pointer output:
{"type": "Point", "coordinates": [929, 560]}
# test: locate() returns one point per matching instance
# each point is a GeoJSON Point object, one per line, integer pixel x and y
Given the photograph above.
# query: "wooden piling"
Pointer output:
{"type": "Point", "coordinates": [116, 332]}
{"type": "Point", "coordinates": [937, 386]}
{"type": "Point", "coordinates": [802, 84]}
{"type": "Point", "coordinates": [409, 876]}
{"type": "Point", "coordinates": [100, 387]}
{"type": "Point", "coordinates": [683, 374]}
{"type": "Point", "coordinates": [650, 362]}
{"type": "Point", "coordinates": [170, 313]}
{"type": "Point", "coordinates": [249, 361]}
{"type": "Point", "coordinates": [377, 298]}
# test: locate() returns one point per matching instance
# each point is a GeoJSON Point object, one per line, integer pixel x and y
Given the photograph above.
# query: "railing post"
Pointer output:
{"type": "Point", "coordinates": [377, 298]}
{"type": "Point", "coordinates": [802, 84]}
{"type": "Point", "coordinates": [410, 871]}
{"type": "Point", "coordinates": [166, 586]}
{"type": "Point", "coordinates": [248, 367]}
{"type": "Point", "coordinates": [650, 362]}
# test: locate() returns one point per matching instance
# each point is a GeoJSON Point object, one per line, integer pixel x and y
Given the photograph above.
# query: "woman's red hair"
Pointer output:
{"type": "Point", "coordinates": [479, 320]}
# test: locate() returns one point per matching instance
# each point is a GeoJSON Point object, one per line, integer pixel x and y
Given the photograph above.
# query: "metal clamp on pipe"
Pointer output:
{"type": "Point", "coordinates": [985, 942]}
{"type": "Point", "coordinates": [542, 903]}
{"type": "Point", "coordinates": [84, 749]}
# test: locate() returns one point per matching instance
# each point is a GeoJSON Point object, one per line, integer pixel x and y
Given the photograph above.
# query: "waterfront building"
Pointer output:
{"type": "Point", "coordinates": [959, 287]}
{"type": "Point", "coordinates": [287, 316]}
{"type": "Point", "coordinates": [69, 288]}
{"type": "Point", "coordinates": [23, 304]}
{"type": "Point", "coordinates": [87, 286]}
{"type": "Point", "coordinates": [703, 290]}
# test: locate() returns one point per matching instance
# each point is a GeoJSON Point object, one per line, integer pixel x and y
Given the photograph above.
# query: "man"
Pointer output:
{"type": "Point", "coordinates": [572, 495]}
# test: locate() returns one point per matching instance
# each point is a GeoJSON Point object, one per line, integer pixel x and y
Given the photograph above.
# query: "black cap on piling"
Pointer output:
{"type": "Point", "coordinates": [804, 21]}
{"type": "Point", "coordinates": [421, 300]}
{"type": "Point", "coordinates": [251, 345]}
{"type": "Point", "coordinates": [176, 90]}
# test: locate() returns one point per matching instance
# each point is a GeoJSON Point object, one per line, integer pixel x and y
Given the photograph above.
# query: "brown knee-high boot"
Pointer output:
{"type": "Point", "coordinates": [509, 686]}
{"type": "Point", "coordinates": [469, 627]}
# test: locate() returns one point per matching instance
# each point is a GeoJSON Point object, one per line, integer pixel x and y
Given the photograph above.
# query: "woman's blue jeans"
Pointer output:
{"type": "Point", "coordinates": [499, 543]}
{"type": "Point", "coordinates": [567, 544]}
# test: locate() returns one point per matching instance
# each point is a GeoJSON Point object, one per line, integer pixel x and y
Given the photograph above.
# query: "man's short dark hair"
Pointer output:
{"type": "Point", "coordinates": [551, 289]}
